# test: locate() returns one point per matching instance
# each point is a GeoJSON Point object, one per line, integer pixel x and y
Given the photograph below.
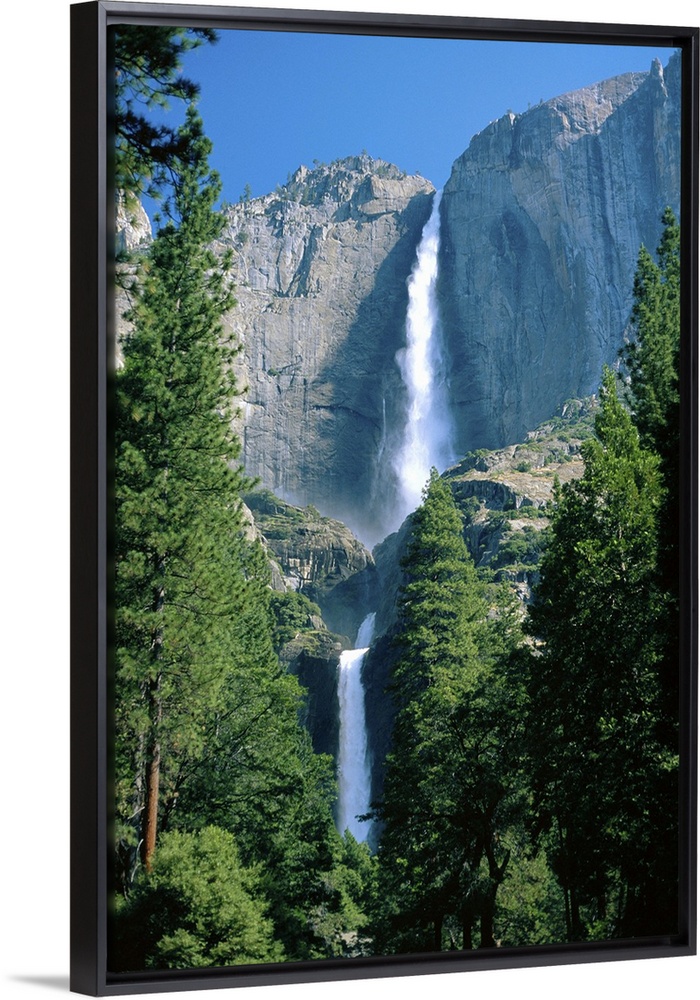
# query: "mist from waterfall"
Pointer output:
{"type": "Point", "coordinates": [427, 436]}
{"type": "Point", "coordinates": [354, 775]}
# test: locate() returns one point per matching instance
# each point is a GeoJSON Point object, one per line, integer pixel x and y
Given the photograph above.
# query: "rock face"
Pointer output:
{"type": "Point", "coordinates": [542, 220]}
{"type": "Point", "coordinates": [320, 269]}
{"type": "Point", "coordinates": [317, 670]}
{"type": "Point", "coordinates": [132, 225]}
{"type": "Point", "coordinates": [318, 557]}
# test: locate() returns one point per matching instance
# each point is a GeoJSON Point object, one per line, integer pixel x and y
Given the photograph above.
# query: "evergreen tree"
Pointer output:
{"type": "Point", "coordinates": [178, 536]}
{"type": "Point", "coordinates": [651, 360]}
{"type": "Point", "coordinates": [198, 907]}
{"type": "Point", "coordinates": [207, 727]}
{"type": "Point", "coordinates": [603, 776]}
{"type": "Point", "coordinates": [651, 373]}
{"type": "Point", "coordinates": [147, 76]}
{"type": "Point", "coordinates": [450, 776]}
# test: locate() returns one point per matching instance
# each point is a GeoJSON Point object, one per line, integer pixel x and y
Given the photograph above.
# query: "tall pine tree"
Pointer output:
{"type": "Point", "coordinates": [651, 374]}
{"type": "Point", "coordinates": [178, 525]}
{"type": "Point", "coordinates": [206, 728]}
{"type": "Point", "coordinates": [450, 775]}
{"type": "Point", "coordinates": [603, 776]}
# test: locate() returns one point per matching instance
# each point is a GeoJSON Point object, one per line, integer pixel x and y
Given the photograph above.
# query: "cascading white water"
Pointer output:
{"type": "Point", "coordinates": [427, 434]}
{"type": "Point", "coordinates": [354, 779]}
{"type": "Point", "coordinates": [427, 442]}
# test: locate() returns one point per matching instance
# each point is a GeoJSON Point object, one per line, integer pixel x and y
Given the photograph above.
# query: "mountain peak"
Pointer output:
{"type": "Point", "coordinates": [351, 179]}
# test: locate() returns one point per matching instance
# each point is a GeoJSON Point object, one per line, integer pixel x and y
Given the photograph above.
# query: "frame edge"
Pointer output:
{"type": "Point", "coordinates": [88, 329]}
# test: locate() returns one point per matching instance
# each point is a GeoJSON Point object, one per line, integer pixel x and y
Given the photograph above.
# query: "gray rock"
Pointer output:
{"type": "Point", "coordinates": [320, 270]}
{"type": "Point", "coordinates": [543, 218]}
{"type": "Point", "coordinates": [132, 225]}
{"type": "Point", "coordinates": [318, 557]}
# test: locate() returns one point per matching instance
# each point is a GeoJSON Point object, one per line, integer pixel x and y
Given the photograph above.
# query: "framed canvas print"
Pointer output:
{"type": "Point", "coordinates": [384, 506]}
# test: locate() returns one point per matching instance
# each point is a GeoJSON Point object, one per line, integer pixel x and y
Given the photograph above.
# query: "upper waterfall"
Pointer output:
{"type": "Point", "coordinates": [427, 436]}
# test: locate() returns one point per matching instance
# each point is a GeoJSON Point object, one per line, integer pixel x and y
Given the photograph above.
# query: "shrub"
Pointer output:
{"type": "Point", "coordinates": [197, 907]}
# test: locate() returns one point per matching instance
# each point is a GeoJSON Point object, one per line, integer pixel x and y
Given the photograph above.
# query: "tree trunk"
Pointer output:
{"type": "Point", "coordinates": [488, 907]}
{"type": "Point", "coordinates": [577, 931]}
{"type": "Point", "coordinates": [150, 813]}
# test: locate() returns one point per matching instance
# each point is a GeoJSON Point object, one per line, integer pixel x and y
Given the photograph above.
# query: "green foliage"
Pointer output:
{"type": "Point", "coordinates": [530, 908]}
{"type": "Point", "coordinates": [498, 519]}
{"type": "Point", "coordinates": [179, 549]}
{"type": "Point", "coordinates": [438, 603]}
{"type": "Point", "coordinates": [147, 76]}
{"type": "Point", "coordinates": [521, 548]}
{"type": "Point", "coordinates": [198, 907]}
{"type": "Point", "coordinates": [340, 920]}
{"type": "Point", "coordinates": [528, 511]}
{"type": "Point", "coordinates": [470, 507]}
{"type": "Point", "coordinates": [292, 613]}
{"type": "Point", "coordinates": [652, 358]}
{"type": "Point", "coordinates": [599, 768]}
{"type": "Point", "coordinates": [651, 377]}
{"type": "Point", "coordinates": [314, 902]}
{"type": "Point", "coordinates": [450, 777]}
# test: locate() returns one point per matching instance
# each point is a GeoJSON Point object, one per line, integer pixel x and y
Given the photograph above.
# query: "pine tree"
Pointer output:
{"type": "Point", "coordinates": [603, 777]}
{"type": "Point", "coordinates": [450, 775]}
{"type": "Point", "coordinates": [651, 359]}
{"type": "Point", "coordinates": [178, 535]}
{"type": "Point", "coordinates": [206, 728]}
{"type": "Point", "coordinates": [148, 75]}
{"type": "Point", "coordinates": [651, 374]}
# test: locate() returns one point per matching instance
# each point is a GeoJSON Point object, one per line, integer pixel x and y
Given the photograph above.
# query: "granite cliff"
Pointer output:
{"type": "Point", "coordinates": [543, 218]}
{"type": "Point", "coordinates": [320, 269]}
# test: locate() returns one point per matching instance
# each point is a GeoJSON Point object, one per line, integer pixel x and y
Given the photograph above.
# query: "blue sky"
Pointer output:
{"type": "Point", "coordinates": [274, 100]}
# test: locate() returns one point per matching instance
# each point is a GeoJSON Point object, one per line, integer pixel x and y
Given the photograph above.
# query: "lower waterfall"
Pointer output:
{"type": "Point", "coordinates": [354, 776]}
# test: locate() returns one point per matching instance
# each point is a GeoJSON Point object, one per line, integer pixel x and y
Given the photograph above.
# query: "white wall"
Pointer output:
{"type": "Point", "coordinates": [34, 498]}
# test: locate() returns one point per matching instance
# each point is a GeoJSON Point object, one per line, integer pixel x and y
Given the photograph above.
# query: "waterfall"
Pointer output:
{"type": "Point", "coordinates": [426, 442]}
{"type": "Point", "coordinates": [382, 440]}
{"type": "Point", "coordinates": [428, 429]}
{"type": "Point", "coordinates": [354, 778]}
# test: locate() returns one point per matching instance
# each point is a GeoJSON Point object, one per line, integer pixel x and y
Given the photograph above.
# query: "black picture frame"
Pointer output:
{"type": "Point", "coordinates": [91, 344]}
